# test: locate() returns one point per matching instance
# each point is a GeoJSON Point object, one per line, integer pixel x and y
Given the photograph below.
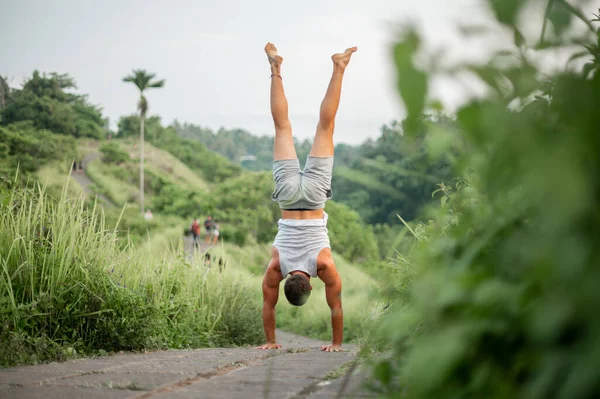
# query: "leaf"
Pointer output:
{"type": "Point", "coordinates": [587, 68]}
{"type": "Point", "coordinates": [506, 10]}
{"type": "Point", "coordinates": [577, 12]}
{"type": "Point", "coordinates": [577, 55]}
{"type": "Point", "coordinates": [519, 39]}
{"type": "Point", "coordinates": [559, 16]}
{"type": "Point", "coordinates": [383, 372]}
{"type": "Point", "coordinates": [436, 105]}
{"type": "Point", "coordinates": [523, 80]}
{"type": "Point", "coordinates": [412, 83]}
{"type": "Point", "coordinates": [488, 74]}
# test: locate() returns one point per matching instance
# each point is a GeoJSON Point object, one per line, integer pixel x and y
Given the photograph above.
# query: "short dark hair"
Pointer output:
{"type": "Point", "coordinates": [297, 289]}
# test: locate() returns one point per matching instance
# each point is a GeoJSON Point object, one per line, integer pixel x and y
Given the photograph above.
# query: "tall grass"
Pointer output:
{"type": "Point", "coordinates": [67, 287]}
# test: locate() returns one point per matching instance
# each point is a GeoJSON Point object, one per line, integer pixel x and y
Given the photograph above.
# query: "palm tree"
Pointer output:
{"type": "Point", "coordinates": [143, 80]}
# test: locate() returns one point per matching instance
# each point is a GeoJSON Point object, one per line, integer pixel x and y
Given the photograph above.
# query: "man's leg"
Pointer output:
{"type": "Point", "coordinates": [323, 144]}
{"type": "Point", "coordinates": [284, 143]}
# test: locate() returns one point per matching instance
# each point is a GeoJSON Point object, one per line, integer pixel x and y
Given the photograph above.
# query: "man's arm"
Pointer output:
{"type": "Point", "coordinates": [270, 288]}
{"type": "Point", "coordinates": [333, 295]}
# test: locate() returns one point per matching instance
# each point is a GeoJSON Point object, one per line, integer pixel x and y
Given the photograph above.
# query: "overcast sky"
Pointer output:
{"type": "Point", "coordinates": [211, 55]}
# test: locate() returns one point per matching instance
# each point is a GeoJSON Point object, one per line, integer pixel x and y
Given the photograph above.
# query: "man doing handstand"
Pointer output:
{"type": "Point", "coordinates": [301, 249]}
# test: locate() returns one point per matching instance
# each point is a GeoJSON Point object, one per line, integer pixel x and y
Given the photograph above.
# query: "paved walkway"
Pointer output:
{"type": "Point", "coordinates": [297, 371]}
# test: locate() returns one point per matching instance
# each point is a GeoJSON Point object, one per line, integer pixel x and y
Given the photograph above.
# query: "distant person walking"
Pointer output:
{"type": "Point", "coordinates": [209, 224]}
{"type": "Point", "coordinates": [148, 215]}
{"type": "Point", "coordinates": [195, 229]}
{"type": "Point", "coordinates": [215, 233]}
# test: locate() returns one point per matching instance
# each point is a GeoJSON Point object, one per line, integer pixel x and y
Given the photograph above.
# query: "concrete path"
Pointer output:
{"type": "Point", "coordinates": [297, 371]}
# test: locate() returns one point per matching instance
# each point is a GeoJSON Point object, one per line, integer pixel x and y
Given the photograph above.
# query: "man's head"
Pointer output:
{"type": "Point", "coordinates": [297, 289]}
{"type": "Point", "coordinates": [209, 218]}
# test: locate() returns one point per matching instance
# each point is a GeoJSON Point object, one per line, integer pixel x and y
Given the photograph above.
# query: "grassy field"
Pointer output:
{"type": "Point", "coordinates": [55, 177]}
{"type": "Point", "coordinates": [162, 163]}
{"type": "Point", "coordinates": [109, 181]}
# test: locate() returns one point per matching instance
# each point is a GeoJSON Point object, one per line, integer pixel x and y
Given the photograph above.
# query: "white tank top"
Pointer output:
{"type": "Point", "coordinates": [299, 243]}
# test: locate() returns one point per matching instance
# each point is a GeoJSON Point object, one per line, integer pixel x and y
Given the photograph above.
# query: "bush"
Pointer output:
{"type": "Point", "coordinates": [237, 236]}
{"type": "Point", "coordinates": [498, 298]}
{"type": "Point", "coordinates": [47, 103]}
{"type": "Point", "coordinates": [350, 236]}
{"type": "Point", "coordinates": [245, 202]}
{"type": "Point", "coordinates": [113, 153]}
{"type": "Point", "coordinates": [79, 292]}
{"type": "Point", "coordinates": [29, 148]}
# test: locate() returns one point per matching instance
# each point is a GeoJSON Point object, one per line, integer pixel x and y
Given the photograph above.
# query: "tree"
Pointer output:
{"type": "Point", "coordinates": [143, 80]}
{"type": "Point", "coordinates": [46, 101]}
{"type": "Point", "coordinates": [4, 91]}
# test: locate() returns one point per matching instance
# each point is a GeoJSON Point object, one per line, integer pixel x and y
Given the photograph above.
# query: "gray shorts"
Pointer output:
{"type": "Point", "coordinates": [302, 189]}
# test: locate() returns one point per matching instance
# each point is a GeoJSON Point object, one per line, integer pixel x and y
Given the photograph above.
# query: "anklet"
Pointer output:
{"type": "Point", "coordinates": [279, 76]}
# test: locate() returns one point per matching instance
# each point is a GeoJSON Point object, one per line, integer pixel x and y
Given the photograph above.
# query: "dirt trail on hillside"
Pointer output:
{"type": "Point", "coordinates": [85, 182]}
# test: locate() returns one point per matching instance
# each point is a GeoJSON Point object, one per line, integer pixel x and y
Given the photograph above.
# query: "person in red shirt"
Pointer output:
{"type": "Point", "coordinates": [196, 232]}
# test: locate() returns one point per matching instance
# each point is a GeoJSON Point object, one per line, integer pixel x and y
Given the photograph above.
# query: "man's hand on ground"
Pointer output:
{"type": "Point", "coordinates": [269, 346]}
{"type": "Point", "coordinates": [332, 348]}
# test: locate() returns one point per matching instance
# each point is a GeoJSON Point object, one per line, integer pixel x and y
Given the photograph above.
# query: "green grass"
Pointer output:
{"type": "Point", "coordinates": [120, 182]}
{"type": "Point", "coordinates": [340, 371]}
{"type": "Point", "coordinates": [68, 288]}
{"type": "Point", "coordinates": [163, 164]}
{"type": "Point", "coordinates": [110, 184]}
{"type": "Point", "coordinates": [54, 176]}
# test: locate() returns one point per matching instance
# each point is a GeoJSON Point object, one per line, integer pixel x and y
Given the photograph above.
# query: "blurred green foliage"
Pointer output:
{"type": "Point", "coordinates": [45, 102]}
{"type": "Point", "coordinates": [24, 146]}
{"type": "Point", "coordinates": [396, 173]}
{"type": "Point", "coordinates": [496, 296]}
{"type": "Point", "coordinates": [112, 153]}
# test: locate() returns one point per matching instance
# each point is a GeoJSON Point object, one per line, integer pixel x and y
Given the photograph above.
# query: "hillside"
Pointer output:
{"type": "Point", "coordinates": [246, 261]}
{"type": "Point", "coordinates": [121, 182]}
{"type": "Point", "coordinates": [381, 178]}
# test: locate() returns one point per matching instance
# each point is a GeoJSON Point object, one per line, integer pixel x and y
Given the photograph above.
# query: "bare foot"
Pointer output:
{"type": "Point", "coordinates": [274, 59]}
{"type": "Point", "coordinates": [341, 60]}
